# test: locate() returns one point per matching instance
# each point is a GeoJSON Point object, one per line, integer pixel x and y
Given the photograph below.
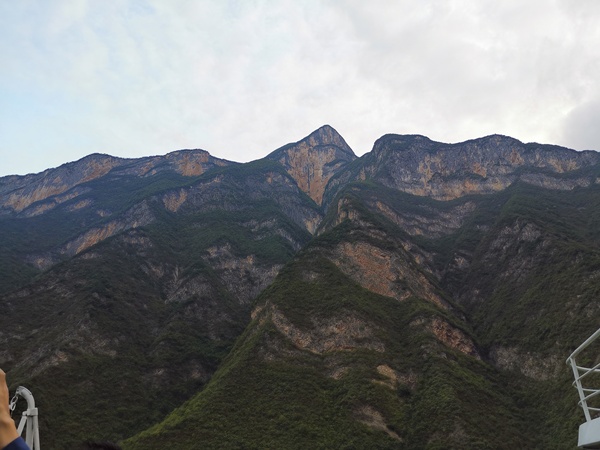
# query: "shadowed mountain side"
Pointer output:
{"type": "Point", "coordinates": [326, 364]}
{"type": "Point", "coordinates": [520, 266]}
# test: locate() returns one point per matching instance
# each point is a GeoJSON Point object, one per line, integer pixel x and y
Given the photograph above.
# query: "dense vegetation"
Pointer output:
{"type": "Point", "coordinates": [290, 400]}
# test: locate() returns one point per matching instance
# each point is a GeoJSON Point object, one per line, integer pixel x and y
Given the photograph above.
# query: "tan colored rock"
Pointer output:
{"type": "Point", "coordinates": [374, 419]}
{"type": "Point", "coordinates": [329, 335]}
{"type": "Point", "coordinates": [53, 183]}
{"type": "Point", "coordinates": [384, 272]}
{"type": "Point", "coordinates": [419, 166]}
{"type": "Point", "coordinates": [190, 163]}
{"type": "Point", "coordinates": [312, 161]}
{"type": "Point", "coordinates": [453, 337]}
{"type": "Point", "coordinates": [174, 200]}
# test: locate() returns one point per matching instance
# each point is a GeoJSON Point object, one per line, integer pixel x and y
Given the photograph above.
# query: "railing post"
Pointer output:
{"type": "Point", "coordinates": [579, 386]}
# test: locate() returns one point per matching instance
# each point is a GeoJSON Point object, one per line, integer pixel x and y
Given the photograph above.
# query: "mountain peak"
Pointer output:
{"type": "Point", "coordinates": [327, 135]}
{"type": "Point", "coordinates": [312, 161]}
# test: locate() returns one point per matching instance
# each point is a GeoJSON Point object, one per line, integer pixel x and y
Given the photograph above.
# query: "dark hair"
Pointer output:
{"type": "Point", "coordinates": [104, 445]}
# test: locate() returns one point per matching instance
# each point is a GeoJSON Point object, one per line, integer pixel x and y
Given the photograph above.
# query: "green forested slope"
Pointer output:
{"type": "Point", "coordinates": [328, 364]}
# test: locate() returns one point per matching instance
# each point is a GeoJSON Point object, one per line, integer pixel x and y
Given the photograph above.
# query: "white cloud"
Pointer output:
{"type": "Point", "coordinates": [581, 126]}
{"type": "Point", "coordinates": [241, 78]}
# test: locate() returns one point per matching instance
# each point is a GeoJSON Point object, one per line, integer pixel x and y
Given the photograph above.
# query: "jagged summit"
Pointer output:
{"type": "Point", "coordinates": [324, 135]}
{"type": "Point", "coordinates": [313, 160]}
{"type": "Point", "coordinates": [327, 135]}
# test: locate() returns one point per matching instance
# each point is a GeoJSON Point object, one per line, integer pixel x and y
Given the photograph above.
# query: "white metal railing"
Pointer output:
{"type": "Point", "coordinates": [581, 374]}
{"type": "Point", "coordinates": [29, 420]}
{"type": "Point", "coordinates": [588, 388]}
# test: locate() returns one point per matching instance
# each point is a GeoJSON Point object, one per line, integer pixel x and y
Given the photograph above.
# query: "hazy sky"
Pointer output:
{"type": "Point", "coordinates": [241, 78]}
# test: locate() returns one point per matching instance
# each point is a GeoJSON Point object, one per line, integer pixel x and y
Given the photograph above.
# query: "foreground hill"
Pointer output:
{"type": "Point", "coordinates": [424, 295]}
{"type": "Point", "coordinates": [327, 363]}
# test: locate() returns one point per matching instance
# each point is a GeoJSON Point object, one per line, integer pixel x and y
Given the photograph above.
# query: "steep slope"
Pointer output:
{"type": "Point", "coordinates": [326, 363]}
{"type": "Point", "coordinates": [522, 267]}
{"type": "Point", "coordinates": [530, 293]}
{"type": "Point", "coordinates": [333, 324]}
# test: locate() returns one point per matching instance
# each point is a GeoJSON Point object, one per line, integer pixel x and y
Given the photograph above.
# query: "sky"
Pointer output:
{"type": "Point", "coordinates": [240, 78]}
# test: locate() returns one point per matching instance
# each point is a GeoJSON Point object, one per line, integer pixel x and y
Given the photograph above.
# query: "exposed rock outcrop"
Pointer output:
{"type": "Point", "coordinates": [137, 216]}
{"type": "Point", "coordinates": [433, 224]}
{"type": "Point", "coordinates": [530, 364]}
{"type": "Point", "coordinates": [384, 272]}
{"type": "Point", "coordinates": [19, 192]}
{"type": "Point", "coordinates": [453, 337]}
{"type": "Point", "coordinates": [329, 335]}
{"type": "Point", "coordinates": [245, 277]}
{"type": "Point", "coordinates": [374, 419]}
{"type": "Point", "coordinates": [314, 160]}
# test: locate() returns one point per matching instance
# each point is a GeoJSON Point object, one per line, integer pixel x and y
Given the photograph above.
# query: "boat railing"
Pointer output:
{"type": "Point", "coordinates": [588, 388]}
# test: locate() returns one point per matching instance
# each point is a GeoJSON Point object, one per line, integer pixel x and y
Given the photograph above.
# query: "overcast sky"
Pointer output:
{"type": "Point", "coordinates": [241, 78]}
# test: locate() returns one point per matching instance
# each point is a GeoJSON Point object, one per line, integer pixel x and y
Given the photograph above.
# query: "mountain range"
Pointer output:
{"type": "Point", "coordinates": [422, 296]}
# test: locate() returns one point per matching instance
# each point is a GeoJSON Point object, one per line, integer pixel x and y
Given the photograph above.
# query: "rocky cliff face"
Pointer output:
{"type": "Point", "coordinates": [419, 166]}
{"type": "Point", "coordinates": [53, 187]}
{"type": "Point", "coordinates": [312, 161]}
{"type": "Point", "coordinates": [17, 193]}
